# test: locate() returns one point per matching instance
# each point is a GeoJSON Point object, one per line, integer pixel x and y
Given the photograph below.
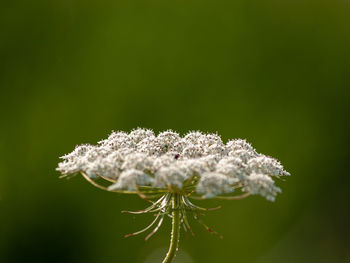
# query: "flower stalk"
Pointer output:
{"type": "Point", "coordinates": [175, 229]}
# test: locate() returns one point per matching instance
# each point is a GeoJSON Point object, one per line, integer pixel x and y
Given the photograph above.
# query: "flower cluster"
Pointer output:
{"type": "Point", "coordinates": [174, 169]}
{"type": "Point", "coordinates": [196, 164]}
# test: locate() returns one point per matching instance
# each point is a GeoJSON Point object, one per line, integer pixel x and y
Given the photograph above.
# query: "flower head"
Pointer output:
{"type": "Point", "coordinates": [198, 163]}
{"type": "Point", "coordinates": [174, 169]}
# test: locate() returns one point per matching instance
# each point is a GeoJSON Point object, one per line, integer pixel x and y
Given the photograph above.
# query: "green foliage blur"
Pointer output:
{"type": "Point", "coordinates": [276, 72]}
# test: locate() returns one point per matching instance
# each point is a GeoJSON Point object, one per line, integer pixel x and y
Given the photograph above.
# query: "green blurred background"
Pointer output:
{"type": "Point", "coordinates": [276, 72]}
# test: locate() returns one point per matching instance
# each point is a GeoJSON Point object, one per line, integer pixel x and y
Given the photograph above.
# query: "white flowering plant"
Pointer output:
{"type": "Point", "coordinates": [174, 169]}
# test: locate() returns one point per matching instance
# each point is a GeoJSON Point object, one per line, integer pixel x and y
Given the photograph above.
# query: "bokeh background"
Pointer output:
{"type": "Point", "coordinates": [276, 72]}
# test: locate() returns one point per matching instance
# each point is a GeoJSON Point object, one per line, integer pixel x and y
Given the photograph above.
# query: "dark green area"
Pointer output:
{"type": "Point", "coordinates": [276, 72]}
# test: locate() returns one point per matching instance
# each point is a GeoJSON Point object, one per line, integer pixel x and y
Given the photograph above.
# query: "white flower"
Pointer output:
{"type": "Point", "coordinates": [138, 135]}
{"type": "Point", "coordinates": [196, 164]}
{"type": "Point", "coordinates": [174, 169]}
{"type": "Point", "coordinates": [266, 165]}
{"type": "Point", "coordinates": [261, 184]}
{"type": "Point", "coordinates": [213, 184]}
{"type": "Point", "coordinates": [171, 177]}
{"type": "Point", "coordinates": [130, 179]}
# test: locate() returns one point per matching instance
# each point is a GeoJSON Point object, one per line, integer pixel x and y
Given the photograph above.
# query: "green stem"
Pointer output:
{"type": "Point", "coordinates": [175, 230]}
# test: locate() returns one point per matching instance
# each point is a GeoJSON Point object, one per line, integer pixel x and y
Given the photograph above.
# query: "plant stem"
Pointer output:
{"type": "Point", "coordinates": [175, 230]}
